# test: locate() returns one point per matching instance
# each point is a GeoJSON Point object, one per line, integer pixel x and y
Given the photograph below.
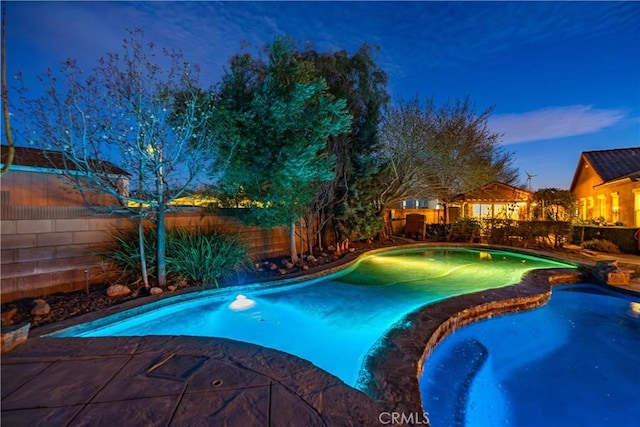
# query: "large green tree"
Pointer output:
{"type": "Point", "coordinates": [439, 152]}
{"type": "Point", "coordinates": [347, 203]}
{"type": "Point", "coordinates": [282, 116]}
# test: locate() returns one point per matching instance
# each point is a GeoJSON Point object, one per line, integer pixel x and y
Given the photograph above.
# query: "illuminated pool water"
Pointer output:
{"type": "Point", "coordinates": [572, 362]}
{"type": "Point", "coordinates": [336, 320]}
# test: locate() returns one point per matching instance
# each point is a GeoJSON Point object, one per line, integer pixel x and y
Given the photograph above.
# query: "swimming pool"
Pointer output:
{"type": "Point", "coordinates": [572, 362]}
{"type": "Point", "coordinates": [333, 321]}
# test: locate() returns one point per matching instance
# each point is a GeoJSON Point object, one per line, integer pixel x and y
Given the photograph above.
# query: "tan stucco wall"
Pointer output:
{"type": "Point", "coordinates": [588, 185]}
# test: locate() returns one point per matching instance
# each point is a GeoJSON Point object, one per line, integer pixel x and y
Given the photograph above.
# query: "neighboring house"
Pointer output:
{"type": "Point", "coordinates": [35, 179]}
{"type": "Point", "coordinates": [495, 200]}
{"type": "Point", "coordinates": [606, 185]}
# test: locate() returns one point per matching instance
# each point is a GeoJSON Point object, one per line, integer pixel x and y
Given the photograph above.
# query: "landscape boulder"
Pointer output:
{"type": "Point", "coordinates": [13, 336]}
{"type": "Point", "coordinates": [114, 291]}
{"type": "Point", "coordinates": [40, 308]}
{"type": "Point", "coordinates": [155, 290]}
{"type": "Point", "coordinates": [7, 316]}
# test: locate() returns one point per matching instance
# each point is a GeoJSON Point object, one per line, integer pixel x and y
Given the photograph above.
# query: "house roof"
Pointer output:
{"type": "Point", "coordinates": [48, 159]}
{"type": "Point", "coordinates": [495, 191]}
{"type": "Point", "coordinates": [611, 165]}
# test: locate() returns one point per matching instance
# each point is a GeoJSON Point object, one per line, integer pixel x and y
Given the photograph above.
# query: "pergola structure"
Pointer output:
{"type": "Point", "coordinates": [495, 200]}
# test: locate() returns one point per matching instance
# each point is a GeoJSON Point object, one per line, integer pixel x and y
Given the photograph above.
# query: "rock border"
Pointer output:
{"type": "Point", "coordinates": [396, 365]}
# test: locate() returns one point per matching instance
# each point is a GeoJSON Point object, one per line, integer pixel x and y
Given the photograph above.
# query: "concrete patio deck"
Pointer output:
{"type": "Point", "coordinates": [171, 381]}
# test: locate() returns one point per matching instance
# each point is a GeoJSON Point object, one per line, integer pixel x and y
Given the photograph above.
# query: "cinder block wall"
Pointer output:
{"type": "Point", "coordinates": [48, 249]}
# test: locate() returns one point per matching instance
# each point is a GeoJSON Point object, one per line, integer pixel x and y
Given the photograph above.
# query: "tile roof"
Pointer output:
{"type": "Point", "coordinates": [48, 159]}
{"type": "Point", "coordinates": [615, 164]}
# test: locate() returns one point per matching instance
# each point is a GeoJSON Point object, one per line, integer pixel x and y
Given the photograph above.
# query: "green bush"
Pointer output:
{"type": "Point", "coordinates": [464, 230]}
{"type": "Point", "coordinates": [125, 253]}
{"type": "Point", "coordinates": [204, 256]}
{"type": "Point", "coordinates": [437, 232]}
{"type": "Point", "coordinates": [623, 237]}
{"type": "Point", "coordinates": [543, 233]}
{"type": "Point", "coordinates": [601, 245]}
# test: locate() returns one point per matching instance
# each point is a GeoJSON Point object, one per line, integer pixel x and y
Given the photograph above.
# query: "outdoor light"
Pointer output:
{"type": "Point", "coordinates": [634, 308]}
{"type": "Point", "coordinates": [241, 303]}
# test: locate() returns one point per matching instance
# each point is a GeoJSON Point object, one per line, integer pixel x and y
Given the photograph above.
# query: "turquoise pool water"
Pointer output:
{"type": "Point", "coordinates": [572, 362]}
{"type": "Point", "coordinates": [336, 320]}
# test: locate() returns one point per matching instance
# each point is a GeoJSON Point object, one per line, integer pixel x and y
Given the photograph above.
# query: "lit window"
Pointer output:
{"type": "Point", "coordinates": [615, 207]}
{"type": "Point", "coordinates": [602, 206]}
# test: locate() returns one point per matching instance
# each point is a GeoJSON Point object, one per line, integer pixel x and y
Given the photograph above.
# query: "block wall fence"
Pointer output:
{"type": "Point", "coordinates": [47, 249]}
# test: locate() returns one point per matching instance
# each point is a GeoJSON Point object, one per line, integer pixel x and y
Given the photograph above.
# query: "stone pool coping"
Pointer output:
{"type": "Point", "coordinates": [394, 367]}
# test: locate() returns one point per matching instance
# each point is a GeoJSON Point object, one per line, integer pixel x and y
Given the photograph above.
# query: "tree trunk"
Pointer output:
{"type": "Point", "coordinates": [143, 258]}
{"type": "Point", "coordinates": [301, 239]}
{"type": "Point", "coordinates": [292, 242]}
{"type": "Point", "coordinates": [309, 232]}
{"type": "Point", "coordinates": [161, 234]}
{"type": "Point", "coordinates": [5, 100]}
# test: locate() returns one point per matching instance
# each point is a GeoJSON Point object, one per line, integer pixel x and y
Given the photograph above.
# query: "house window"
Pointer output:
{"type": "Point", "coordinates": [480, 211]}
{"type": "Point", "coordinates": [602, 206]}
{"type": "Point", "coordinates": [583, 208]}
{"type": "Point", "coordinates": [589, 208]}
{"type": "Point", "coordinates": [615, 207]}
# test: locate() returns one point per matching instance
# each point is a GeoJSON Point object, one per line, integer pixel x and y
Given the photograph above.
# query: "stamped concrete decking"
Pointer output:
{"type": "Point", "coordinates": [171, 381]}
{"type": "Point", "coordinates": [194, 381]}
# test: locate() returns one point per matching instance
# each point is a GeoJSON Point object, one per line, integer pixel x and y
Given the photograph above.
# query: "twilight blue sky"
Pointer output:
{"type": "Point", "coordinates": [564, 77]}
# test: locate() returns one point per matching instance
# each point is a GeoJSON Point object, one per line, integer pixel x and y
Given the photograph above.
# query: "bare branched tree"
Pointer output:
{"type": "Point", "coordinates": [439, 152]}
{"type": "Point", "coordinates": [143, 113]}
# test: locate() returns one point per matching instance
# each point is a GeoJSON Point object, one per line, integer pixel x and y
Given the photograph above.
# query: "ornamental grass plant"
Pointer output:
{"type": "Point", "coordinates": [204, 256]}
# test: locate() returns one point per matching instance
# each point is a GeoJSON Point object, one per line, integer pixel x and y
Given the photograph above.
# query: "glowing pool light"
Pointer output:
{"type": "Point", "coordinates": [242, 303]}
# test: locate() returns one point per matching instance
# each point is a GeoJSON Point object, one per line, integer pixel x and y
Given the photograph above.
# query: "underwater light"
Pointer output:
{"type": "Point", "coordinates": [634, 308]}
{"type": "Point", "coordinates": [241, 303]}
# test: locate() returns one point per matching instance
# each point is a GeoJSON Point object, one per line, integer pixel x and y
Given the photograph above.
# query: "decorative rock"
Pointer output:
{"type": "Point", "coordinates": [288, 266]}
{"type": "Point", "coordinates": [40, 308]}
{"type": "Point", "coordinates": [155, 290]}
{"type": "Point", "coordinates": [14, 336]}
{"type": "Point", "coordinates": [323, 255]}
{"type": "Point", "coordinates": [607, 272]}
{"type": "Point", "coordinates": [311, 258]}
{"type": "Point", "coordinates": [619, 277]}
{"type": "Point", "coordinates": [602, 270]}
{"type": "Point", "coordinates": [305, 267]}
{"type": "Point", "coordinates": [272, 267]}
{"type": "Point", "coordinates": [171, 288]}
{"type": "Point", "coordinates": [352, 249]}
{"type": "Point", "coordinates": [7, 316]}
{"type": "Point", "coordinates": [118, 291]}
{"type": "Point", "coordinates": [331, 248]}
{"type": "Point", "coordinates": [282, 271]}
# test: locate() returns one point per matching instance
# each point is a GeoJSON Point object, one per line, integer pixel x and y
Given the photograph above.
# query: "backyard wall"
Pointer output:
{"type": "Point", "coordinates": [47, 249]}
